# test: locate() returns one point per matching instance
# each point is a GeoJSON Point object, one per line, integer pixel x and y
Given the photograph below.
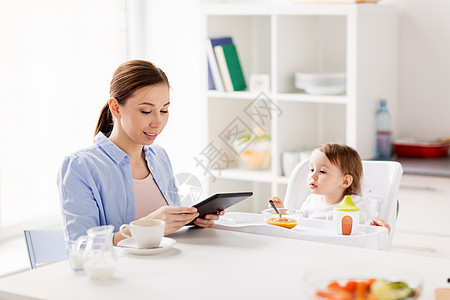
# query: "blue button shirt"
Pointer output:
{"type": "Point", "coordinates": [96, 186]}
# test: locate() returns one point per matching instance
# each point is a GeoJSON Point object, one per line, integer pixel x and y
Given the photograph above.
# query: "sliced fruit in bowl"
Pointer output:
{"type": "Point", "coordinates": [362, 281]}
{"type": "Point", "coordinates": [374, 289]}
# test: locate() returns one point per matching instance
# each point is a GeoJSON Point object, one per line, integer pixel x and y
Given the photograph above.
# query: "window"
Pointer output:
{"type": "Point", "coordinates": [56, 61]}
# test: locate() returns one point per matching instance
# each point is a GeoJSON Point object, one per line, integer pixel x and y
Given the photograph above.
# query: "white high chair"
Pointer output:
{"type": "Point", "coordinates": [380, 184]}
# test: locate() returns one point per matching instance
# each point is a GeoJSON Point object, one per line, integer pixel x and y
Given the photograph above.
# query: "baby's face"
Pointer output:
{"type": "Point", "coordinates": [324, 178]}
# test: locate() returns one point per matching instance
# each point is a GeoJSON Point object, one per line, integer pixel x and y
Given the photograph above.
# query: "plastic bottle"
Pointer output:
{"type": "Point", "coordinates": [383, 128]}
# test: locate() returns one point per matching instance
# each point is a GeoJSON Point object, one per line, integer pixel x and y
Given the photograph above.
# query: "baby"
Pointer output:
{"type": "Point", "coordinates": [335, 170]}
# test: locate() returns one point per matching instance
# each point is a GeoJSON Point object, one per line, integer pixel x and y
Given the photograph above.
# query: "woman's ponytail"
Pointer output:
{"type": "Point", "coordinates": [105, 122]}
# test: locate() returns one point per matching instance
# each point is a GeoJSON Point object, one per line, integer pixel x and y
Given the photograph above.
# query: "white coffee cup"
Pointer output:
{"type": "Point", "coordinates": [146, 233]}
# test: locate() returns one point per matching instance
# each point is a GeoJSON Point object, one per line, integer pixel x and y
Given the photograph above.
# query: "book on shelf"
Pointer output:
{"type": "Point", "coordinates": [230, 67]}
{"type": "Point", "coordinates": [211, 85]}
{"type": "Point", "coordinates": [214, 78]}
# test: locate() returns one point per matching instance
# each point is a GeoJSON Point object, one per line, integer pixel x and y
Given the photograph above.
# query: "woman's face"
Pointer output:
{"type": "Point", "coordinates": [145, 114]}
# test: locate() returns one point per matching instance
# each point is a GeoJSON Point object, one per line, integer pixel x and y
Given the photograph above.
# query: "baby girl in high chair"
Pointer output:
{"type": "Point", "coordinates": [335, 170]}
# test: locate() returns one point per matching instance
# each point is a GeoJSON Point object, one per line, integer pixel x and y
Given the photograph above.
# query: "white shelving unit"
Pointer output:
{"type": "Point", "coordinates": [279, 40]}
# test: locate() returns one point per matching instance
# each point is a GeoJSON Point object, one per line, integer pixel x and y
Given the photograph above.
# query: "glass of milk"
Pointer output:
{"type": "Point", "coordinates": [75, 254]}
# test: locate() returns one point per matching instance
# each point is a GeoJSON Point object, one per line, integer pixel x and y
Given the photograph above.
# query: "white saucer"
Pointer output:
{"type": "Point", "coordinates": [129, 246]}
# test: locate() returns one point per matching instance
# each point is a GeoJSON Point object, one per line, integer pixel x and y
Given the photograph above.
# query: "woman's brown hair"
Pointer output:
{"type": "Point", "coordinates": [127, 79]}
{"type": "Point", "coordinates": [348, 160]}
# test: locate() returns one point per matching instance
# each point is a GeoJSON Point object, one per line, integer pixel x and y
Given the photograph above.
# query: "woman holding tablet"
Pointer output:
{"type": "Point", "coordinates": [124, 176]}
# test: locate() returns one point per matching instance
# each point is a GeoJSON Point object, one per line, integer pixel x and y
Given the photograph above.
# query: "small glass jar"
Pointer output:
{"type": "Point", "coordinates": [99, 259]}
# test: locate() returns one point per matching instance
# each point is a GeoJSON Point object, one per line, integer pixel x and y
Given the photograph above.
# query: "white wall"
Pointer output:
{"type": "Point", "coordinates": [424, 68]}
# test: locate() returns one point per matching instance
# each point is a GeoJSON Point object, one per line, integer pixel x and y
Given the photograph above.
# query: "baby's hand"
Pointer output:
{"type": "Point", "coordinates": [277, 201]}
{"type": "Point", "coordinates": [379, 222]}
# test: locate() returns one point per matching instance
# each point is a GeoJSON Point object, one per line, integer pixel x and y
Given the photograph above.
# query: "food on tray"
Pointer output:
{"type": "Point", "coordinates": [285, 217]}
{"type": "Point", "coordinates": [370, 289]}
{"type": "Point", "coordinates": [283, 222]}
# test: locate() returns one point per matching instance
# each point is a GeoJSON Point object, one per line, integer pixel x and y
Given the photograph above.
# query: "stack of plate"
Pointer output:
{"type": "Point", "coordinates": [321, 83]}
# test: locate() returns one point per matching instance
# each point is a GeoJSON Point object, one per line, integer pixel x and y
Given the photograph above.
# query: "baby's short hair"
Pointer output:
{"type": "Point", "coordinates": [348, 160]}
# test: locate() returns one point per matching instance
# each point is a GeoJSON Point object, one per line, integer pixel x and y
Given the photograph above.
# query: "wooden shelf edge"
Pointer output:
{"type": "Point", "coordinates": [299, 97]}
{"type": "Point", "coordinates": [250, 175]}
{"type": "Point", "coordinates": [291, 97]}
{"type": "Point", "coordinates": [247, 175]}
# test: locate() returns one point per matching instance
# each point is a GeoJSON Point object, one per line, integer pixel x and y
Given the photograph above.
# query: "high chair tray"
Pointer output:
{"type": "Point", "coordinates": [372, 237]}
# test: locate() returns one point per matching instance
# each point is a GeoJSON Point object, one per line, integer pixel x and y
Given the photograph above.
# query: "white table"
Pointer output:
{"type": "Point", "coordinates": [213, 264]}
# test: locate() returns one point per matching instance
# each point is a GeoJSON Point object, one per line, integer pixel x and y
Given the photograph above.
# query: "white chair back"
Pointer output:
{"type": "Point", "coordinates": [380, 185]}
{"type": "Point", "coordinates": [382, 181]}
{"type": "Point", "coordinates": [297, 189]}
{"type": "Point", "coordinates": [45, 245]}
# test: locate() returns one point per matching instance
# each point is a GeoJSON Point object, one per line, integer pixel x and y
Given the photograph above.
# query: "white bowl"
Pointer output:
{"type": "Point", "coordinates": [325, 90]}
{"type": "Point", "coordinates": [289, 217]}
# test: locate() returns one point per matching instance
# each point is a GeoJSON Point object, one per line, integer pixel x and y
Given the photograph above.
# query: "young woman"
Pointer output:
{"type": "Point", "coordinates": [124, 176]}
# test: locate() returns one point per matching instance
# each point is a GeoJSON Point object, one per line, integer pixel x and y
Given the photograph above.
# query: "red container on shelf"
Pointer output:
{"type": "Point", "coordinates": [423, 150]}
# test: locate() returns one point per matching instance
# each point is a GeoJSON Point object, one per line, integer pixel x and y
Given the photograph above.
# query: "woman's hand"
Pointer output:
{"type": "Point", "coordinates": [208, 220]}
{"type": "Point", "coordinates": [379, 222]}
{"type": "Point", "coordinates": [174, 216]}
{"type": "Point", "coordinates": [277, 201]}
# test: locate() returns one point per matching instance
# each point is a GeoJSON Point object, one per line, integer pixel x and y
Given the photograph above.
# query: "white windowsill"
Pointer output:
{"type": "Point", "coordinates": [14, 230]}
{"type": "Point", "coordinates": [13, 250]}
{"type": "Point", "coordinates": [13, 256]}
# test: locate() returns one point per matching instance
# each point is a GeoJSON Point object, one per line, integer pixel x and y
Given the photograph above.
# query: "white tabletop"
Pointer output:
{"type": "Point", "coordinates": [214, 264]}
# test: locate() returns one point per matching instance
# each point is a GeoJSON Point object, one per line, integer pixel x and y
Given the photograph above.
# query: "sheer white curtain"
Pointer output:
{"type": "Point", "coordinates": [56, 61]}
